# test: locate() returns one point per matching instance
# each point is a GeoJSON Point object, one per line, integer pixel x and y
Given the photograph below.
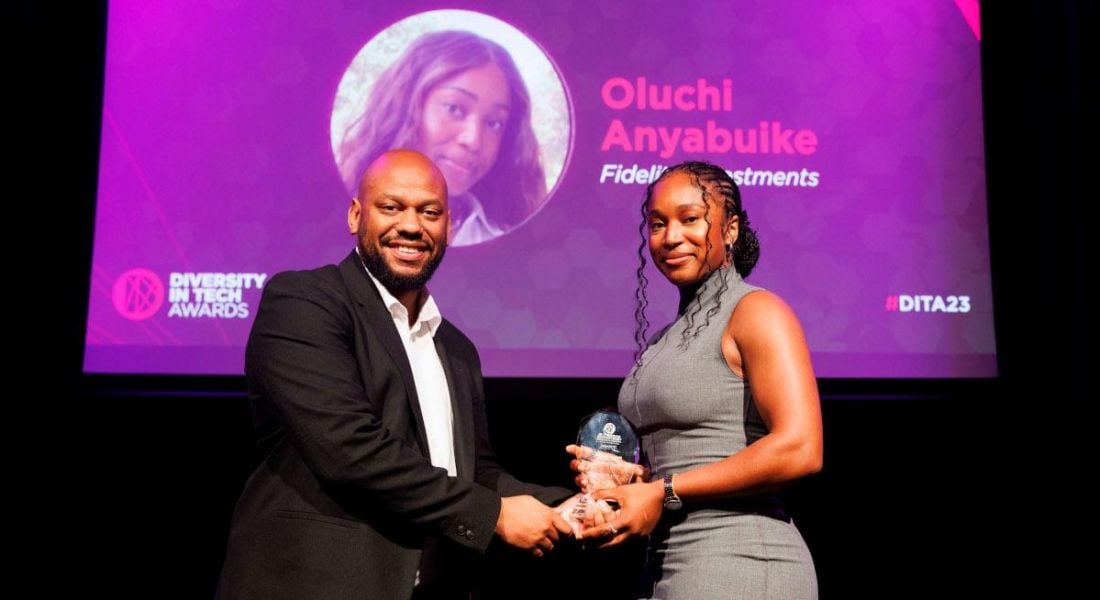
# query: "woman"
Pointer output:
{"type": "Point", "coordinates": [459, 99]}
{"type": "Point", "coordinates": [726, 403]}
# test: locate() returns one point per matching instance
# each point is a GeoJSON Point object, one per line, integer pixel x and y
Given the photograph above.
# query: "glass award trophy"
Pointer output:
{"type": "Point", "coordinates": [610, 451]}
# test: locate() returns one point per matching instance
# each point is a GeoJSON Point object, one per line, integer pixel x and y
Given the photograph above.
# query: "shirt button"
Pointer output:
{"type": "Point", "coordinates": [461, 530]}
{"type": "Point", "coordinates": [469, 534]}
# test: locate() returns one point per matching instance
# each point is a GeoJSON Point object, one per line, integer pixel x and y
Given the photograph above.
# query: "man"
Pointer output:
{"type": "Point", "coordinates": [377, 479]}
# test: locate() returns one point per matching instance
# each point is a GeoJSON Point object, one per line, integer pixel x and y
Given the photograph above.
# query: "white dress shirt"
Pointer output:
{"type": "Point", "coordinates": [431, 381]}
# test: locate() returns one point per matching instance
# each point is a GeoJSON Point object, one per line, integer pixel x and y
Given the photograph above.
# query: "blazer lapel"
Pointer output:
{"type": "Point", "coordinates": [461, 412]}
{"type": "Point", "coordinates": [380, 321]}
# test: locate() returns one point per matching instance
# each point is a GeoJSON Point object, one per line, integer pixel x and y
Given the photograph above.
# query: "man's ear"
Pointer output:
{"type": "Point", "coordinates": [355, 214]}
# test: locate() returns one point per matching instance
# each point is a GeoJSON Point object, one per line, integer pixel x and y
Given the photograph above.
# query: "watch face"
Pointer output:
{"type": "Point", "coordinates": [673, 503]}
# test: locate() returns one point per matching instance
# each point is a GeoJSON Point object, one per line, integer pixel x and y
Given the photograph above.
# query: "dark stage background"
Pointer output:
{"type": "Point", "coordinates": [930, 488]}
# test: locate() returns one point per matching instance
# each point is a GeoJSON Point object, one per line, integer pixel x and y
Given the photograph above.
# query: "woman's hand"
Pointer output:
{"type": "Point", "coordinates": [597, 470]}
{"type": "Point", "coordinates": [582, 512]}
{"type": "Point", "coordinates": [640, 508]}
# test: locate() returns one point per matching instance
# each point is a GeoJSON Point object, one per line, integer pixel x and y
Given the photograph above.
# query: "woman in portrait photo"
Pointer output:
{"type": "Point", "coordinates": [458, 98]}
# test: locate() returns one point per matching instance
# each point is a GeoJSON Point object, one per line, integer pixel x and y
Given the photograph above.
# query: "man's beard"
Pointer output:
{"type": "Point", "coordinates": [394, 282]}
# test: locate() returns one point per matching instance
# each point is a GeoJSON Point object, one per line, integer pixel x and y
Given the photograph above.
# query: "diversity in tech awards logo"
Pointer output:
{"type": "Point", "coordinates": [139, 294]}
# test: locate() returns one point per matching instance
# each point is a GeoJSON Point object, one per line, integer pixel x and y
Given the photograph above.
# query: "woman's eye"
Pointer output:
{"type": "Point", "coordinates": [454, 110]}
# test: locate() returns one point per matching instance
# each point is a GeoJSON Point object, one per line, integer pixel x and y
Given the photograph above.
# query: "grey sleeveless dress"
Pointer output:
{"type": "Point", "coordinates": [691, 410]}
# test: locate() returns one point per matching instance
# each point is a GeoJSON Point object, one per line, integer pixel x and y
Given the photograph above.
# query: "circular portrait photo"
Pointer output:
{"type": "Point", "coordinates": [475, 95]}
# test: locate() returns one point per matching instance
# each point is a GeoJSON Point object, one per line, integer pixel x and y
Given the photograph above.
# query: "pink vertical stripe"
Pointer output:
{"type": "Point", "coordinates": [971, 9]}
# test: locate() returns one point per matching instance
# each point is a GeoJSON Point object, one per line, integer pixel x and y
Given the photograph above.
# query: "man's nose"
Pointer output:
{"type": "Point", "coordinates": [409, 221]}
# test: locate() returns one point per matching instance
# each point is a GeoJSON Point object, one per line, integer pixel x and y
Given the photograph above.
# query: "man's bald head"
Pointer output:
{"type": "Point", "coordinates": [401, 221]}
{"type": "Point", "coordinates": [403, 165]}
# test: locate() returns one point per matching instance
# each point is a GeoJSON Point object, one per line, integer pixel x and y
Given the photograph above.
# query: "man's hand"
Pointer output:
{"type": "Point", "coordinates": [526, 523]}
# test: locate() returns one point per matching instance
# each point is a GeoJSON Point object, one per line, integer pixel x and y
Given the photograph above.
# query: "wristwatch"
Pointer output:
{"type": "Point", "coordinates": [672, 501]}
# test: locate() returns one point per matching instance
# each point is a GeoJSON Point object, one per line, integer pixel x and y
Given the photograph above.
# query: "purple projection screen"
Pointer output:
{"type": "Point", "coordinates": [232, 133]}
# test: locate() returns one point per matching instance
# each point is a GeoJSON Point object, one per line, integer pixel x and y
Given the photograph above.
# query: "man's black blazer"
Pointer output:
{"type": "Point", "coordinates": [345, 496]}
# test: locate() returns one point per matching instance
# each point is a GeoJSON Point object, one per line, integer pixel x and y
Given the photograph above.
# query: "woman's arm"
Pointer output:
{"type": "Point", "coordinates": [764, 343]}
